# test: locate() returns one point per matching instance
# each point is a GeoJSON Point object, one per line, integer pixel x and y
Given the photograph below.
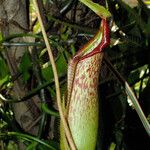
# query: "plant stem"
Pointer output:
{"type": "Point", "coordinates": [65, 125]}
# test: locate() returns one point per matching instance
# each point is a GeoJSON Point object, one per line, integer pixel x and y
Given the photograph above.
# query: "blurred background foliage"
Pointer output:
{"type": "Point", "coordinates": [69, 25]}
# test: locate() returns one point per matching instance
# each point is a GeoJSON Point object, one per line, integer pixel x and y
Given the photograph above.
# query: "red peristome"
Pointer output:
{"type": "Point", "coordinates": [104, 43]}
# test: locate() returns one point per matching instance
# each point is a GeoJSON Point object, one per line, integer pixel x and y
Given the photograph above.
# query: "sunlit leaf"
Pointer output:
{"type": "Point", "coordinates": [98, 9]}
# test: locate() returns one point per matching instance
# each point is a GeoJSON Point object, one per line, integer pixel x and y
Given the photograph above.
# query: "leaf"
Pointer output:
{"type": "Point", "coordinates": [61, 68]}
{"type": "Point", "coordinates": [4, 72]}
{"type": "Point", "coordinates": [1, 37]}
{"type": "Point", "coordinates": [4, 80]}
{"type": "Point", "coordinates": [3, 69]}
{"type": "Point", "coordinates": [98, 9]}
{"type": "Point", "coordinates": [25, 66]}
{"type": "Point", "coordinates": [30, 138]}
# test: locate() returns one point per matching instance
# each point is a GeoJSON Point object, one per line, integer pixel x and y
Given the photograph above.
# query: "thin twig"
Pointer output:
{"type": "Point", "coordinates": [65, 125]}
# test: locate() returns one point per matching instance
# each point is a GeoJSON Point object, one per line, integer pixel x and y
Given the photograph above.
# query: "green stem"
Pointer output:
{"type": "Point", "coordinates": [12, 36]}
{"type": "Point", "coordinates": [23, 44]}
{"type": "Point", "coordinates": [46, 109]}
{"type": "Point", "coordinates": [35, 91]}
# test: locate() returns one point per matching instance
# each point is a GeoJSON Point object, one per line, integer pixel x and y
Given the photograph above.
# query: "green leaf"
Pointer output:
{"type": "Point", "coordinates": [3, 68]}
{"type": "Point", "coordinates": [25, 66]}
{"type": "Point", "coordinates": [98, 9]}
{"type": "Point", "coordinates": [29, 138]}
{"type": "Point", "coordinates": [4, 80]}
{"type": "Point", "coordinates": [4, 72]}
{"type": "Point", "coordinates": [1, 36]}
{"type": "Point", "coordinates": [61, 65]}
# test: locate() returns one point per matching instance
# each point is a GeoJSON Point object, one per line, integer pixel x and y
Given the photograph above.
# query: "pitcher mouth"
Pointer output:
{"type": "Point", "coordinates": [96, 44]}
